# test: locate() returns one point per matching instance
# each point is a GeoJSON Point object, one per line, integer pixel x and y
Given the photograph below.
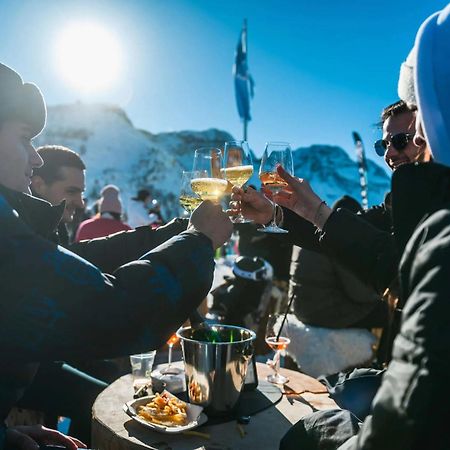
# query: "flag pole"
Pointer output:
{"type": "Point", "coordinates": [245, 129]}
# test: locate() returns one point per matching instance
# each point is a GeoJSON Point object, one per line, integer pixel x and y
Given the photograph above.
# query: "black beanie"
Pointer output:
{"type": "Point", "coordinates": [21, 101]}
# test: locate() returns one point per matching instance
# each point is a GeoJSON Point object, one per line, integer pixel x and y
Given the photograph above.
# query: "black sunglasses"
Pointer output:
{"type": "Point", "coordinates": [398, 141]}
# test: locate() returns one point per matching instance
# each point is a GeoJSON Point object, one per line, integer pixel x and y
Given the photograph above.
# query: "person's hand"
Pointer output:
{"type": "Point", "coordinates": [209, 219]}
{"type": "Point", "coordinates": [299, 197]}
{"type": "Point", "coordinates": [32, 436]}
{"type": "Point", "coordinates": [253, 205]}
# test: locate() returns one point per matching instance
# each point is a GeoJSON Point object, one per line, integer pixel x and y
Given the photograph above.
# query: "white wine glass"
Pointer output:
{"type": "Point", "coordinates": [277, 338]}
{"type": "Point", "coordinates": [237, 168]}
{"type": "Point", "coordinates": [209, 185]}
{"type": "Point", "coordinates": [189, 200]}
{"type": "Point", "coordinates": [275, 154]}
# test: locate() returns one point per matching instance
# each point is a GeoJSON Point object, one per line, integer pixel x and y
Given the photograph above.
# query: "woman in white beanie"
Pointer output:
{"type": "Point", "coordinates": [108, 220]}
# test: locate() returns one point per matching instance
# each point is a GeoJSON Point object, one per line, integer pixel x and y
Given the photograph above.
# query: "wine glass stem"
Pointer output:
{"type": "Point", "coordinates": [276, 367]}
{"type": "Point", "coordinates": [274, 224]}
{"type": "Point", "coordinates": [169, 362]}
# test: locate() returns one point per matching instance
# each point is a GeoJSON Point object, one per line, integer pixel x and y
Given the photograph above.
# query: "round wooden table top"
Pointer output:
{"type": "Point", "coordinates": [113, 429]}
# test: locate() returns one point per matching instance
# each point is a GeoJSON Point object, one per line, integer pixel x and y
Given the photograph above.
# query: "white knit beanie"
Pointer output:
{"type": "Point", "coordinates": [110, 200]}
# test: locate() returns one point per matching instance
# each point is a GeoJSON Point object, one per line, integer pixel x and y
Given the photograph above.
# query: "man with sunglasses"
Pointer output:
{"type": "Point", "coordinates": [398, 145]}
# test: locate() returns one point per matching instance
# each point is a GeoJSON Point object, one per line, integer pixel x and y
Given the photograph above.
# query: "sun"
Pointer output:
{"type": "Point", "coordinates": [88, 56]}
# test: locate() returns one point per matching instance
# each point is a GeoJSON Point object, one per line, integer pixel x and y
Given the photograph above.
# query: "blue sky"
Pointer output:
{"type": "Point", "coordinates": [322, 69]}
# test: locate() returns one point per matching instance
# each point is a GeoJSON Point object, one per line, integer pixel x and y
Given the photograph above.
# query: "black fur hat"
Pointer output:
{"type": "Point", "coordinates": [21, 101]}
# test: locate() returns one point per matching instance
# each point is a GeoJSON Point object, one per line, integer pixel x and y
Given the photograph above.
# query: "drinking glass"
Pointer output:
{"type": "Point", "coordinates": [189, 200]}
{"type": "Point", "coordinates": [275, 153]}
{"type": "Point", "coordinates": [141, 368]}
{"type": "Point", "coordinates": [237, 168]}
{"type": "Point", "coordinates": [277, 339]}
{"type": "Point", "coordinates": [209, 184]}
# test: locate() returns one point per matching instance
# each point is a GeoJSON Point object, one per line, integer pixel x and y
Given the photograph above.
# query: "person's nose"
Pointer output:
{"type": "Point", "coordinates": [35, 159]}
{"type": "Point", "coordinates": [391, 151]}
{"type": "Point", "coordinates": [79, 203]}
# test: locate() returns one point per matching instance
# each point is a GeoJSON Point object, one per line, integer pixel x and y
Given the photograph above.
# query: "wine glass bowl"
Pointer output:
{"type": "Point", "coordinates": [277, 338]}
{"type": "Point", "coordinates": [209, 184]}
{"type": "Point", "coordinates": [275, 154]}
{"type": "Point", "coordinates": [237, 167]}
{"type": "Point", "coordinates": [189, 200]}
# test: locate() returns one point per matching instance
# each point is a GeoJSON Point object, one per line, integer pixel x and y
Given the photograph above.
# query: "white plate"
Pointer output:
{"type": "Point", "coordinates": [194, 414]}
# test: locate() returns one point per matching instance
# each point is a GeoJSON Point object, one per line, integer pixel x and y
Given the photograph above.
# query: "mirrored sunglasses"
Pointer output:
{"type": "Point", "coordinates": [398, 141]}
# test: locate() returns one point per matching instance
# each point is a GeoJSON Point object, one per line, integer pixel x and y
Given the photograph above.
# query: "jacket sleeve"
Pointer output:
{"type": "Point", "coordinates": [409, 410]}
{"type": "Point", "coordinates": [113, 251]}
{"type": "Point", "coordinates": [55, 305]}
{"type": "Point", "coordinates": [368, 251]}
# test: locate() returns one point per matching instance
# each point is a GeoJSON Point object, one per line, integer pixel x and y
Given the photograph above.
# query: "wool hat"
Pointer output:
{"type": "Point", "coordinates": [110, 200]}
{"type": "Point", "coordinates": [142, 195]}
{"type": "Point", "coordinates": [430, 62]}
{"type": "Point", "coordinates": [21, 101]}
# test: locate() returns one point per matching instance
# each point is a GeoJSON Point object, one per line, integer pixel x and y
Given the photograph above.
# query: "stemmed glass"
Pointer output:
{"type": "Point", "coordinates": [189, 200]}
{"type": "Point", "coordinates": [237, 168]}
{"type": "Point", "coordinates": [277, 340]}
{"type": "Point", "coordinates": [275, 153]}
{"type": "Point", "coordinates": [209, 184]}
{"type": "Point", "coordinates": [169, 370]}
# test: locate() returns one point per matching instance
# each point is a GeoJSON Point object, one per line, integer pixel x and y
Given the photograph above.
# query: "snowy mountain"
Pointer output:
{"type": "Point", "coordinates": [114, 151]}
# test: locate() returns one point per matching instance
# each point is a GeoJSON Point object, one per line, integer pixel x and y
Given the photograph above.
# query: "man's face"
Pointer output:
{"type": "Point", "coordinates": [70, 187]}
{"type": "Point", "coordinates": [18, 157]}
{"type": "Point", "coordinates": [403, 123]}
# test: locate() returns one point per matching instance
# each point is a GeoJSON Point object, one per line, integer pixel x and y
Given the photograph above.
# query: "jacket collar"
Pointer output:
{"type": "Point", "coordinates": [40, 215]}
{"type": "Point", "coordinates": [417, 191]}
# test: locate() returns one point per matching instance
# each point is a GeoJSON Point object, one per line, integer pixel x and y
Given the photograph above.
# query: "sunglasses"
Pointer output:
{"type": "Point", "coordinates": [398, 141]}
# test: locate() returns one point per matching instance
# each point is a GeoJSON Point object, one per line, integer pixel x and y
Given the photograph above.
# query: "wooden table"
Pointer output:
{"type": "Point", "coordinates": [113, 429]}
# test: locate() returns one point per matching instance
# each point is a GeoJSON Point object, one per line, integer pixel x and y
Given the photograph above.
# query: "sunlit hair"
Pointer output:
{"type": "Point", "coordinates": [55, 157]}
{"type": "Point", "coordinates": [395, 109]}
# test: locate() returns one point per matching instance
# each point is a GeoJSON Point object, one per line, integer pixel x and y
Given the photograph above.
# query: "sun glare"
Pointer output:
{"type": "Point", "coordinates": [88, 56]}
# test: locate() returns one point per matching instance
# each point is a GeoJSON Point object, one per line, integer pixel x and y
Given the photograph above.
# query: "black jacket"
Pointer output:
{"type": "Point", "coordinates": [364, 243]}
{"type": "Point", "coordinates": [411, 410]}
{"type": "Point", "coordinates": [56, 305]}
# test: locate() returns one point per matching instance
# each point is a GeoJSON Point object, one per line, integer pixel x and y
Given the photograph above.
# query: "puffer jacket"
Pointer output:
{"type": "Point", "coordinates": [364, 243]}
{"type": "Point", "coordinates": [56, 305]}
{"type": "Point", "coordinates": [411, 409]}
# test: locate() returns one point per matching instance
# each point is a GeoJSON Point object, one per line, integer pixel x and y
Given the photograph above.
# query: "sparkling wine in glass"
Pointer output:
{"type": "Point", "coordinates": [278, 341]}
{"type": "Point", "coordinates": [189, 200]}
{"type": "Point", "coordinates": [275, 154]}
{"type": "Point", "coordinates": [209, 184]}
{"type": "Point", "coordinates": [237, 167]}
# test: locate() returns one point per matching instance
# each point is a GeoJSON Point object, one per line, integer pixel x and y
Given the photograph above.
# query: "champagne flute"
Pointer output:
{"type": "Point", "coordinates": [237, 168]}
{"type": "Point", "coordinates": [209, 184]}
{"type": "Point", "coordinates": [275, 153]}
{"type": "Point", "coordinates": [189, 200]}
{"type": "Point", "coordinates": [169, 370]}
{"type": "Point", "coordinates": [277, 340]}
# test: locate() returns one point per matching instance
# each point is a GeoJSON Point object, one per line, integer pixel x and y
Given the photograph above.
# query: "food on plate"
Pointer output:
{"type": "Point", "coordinates": [164, 409]}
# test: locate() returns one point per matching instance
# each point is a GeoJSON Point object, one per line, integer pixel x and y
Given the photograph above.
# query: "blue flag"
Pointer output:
{"type": "Point", "coordinates": [243, 81]}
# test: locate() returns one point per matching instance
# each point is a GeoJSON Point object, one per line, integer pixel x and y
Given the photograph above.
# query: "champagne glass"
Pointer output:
{"type": "Point", "coordinates": [209, 184]}
{"type": "Point", "coordinates": [189, 200]}
{"type": "Point", "coordinates": [237, 168]}
{"type": "Point", "coordinates": [169, 370]}
{"type": "Point", "coordinates": [277, 339]}
{"type": "Point", "coordinates": [275, 153]}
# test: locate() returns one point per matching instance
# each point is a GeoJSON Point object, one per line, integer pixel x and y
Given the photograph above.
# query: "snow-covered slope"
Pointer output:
{"type": "Point", "coordinates": [116, 152]}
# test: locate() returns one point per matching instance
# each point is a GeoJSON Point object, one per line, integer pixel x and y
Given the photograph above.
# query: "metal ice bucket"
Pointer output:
{"type": "Point", "coordinates": [216, 359]}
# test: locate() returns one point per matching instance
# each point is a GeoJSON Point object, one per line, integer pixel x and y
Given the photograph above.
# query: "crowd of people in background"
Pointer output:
{"type": "Point", "coordinates": [140, 278]}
